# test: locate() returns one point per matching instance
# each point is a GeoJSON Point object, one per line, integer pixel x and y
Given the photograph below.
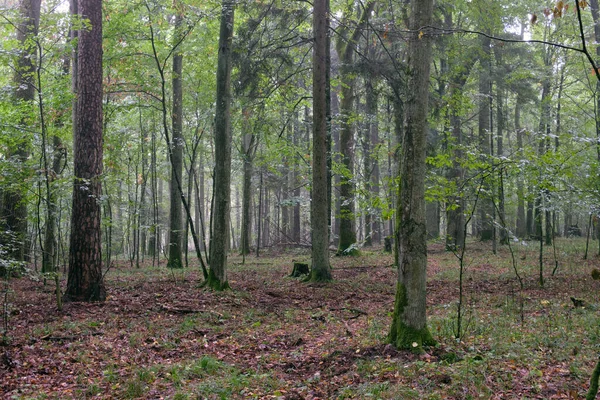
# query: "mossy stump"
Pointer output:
{"type": "Point", "coordinates": [299, 270]}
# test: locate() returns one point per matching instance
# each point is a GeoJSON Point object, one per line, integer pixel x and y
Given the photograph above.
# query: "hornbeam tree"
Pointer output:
{"type": "Point", "coordinates": [409, 326]}
{"type": "Point", "coordinates": [217, 275]}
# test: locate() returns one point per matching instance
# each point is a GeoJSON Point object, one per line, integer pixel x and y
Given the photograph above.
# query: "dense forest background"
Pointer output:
{"type": "Point", "coordinates": [512, 143]}
{"type": "Point", "coordinates": [138, 134]}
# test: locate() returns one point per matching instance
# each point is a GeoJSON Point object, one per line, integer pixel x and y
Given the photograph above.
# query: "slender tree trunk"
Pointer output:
{"type": "Point", "coordinates": [248, 151]}
{"type": "Point", "coordinates": [522, 230]}
{"type": "Point", "coordinates": [455, 237]}
{"type": "Point", "coordinates": [500, 123]}
{"type": "Point", "coordinates": [176, 231]}
{"type": "Point", "coordinates": [486, 227]}
{"type": "Point", "coordinates": [14, 205]}
{"type": "Point", "coordinates": [217, 278]}
{"type": "Point", "coordinates": [409, 326]}
{"type": "Point", "coordinates": [85, 280]}
{"type": "Point", "coordinates": [321, 270]}
{"type": "Point", "coordinates": [346, 47]}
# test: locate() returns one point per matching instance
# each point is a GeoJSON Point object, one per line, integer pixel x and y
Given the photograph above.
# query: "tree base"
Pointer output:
{"type": "Point", "coordinates": [175, 263]}
{"type": "Point", "coordinates": [387, 244]}
{"type": "Point", "coordinates": [299, 270]}
{"type": "Point", "coordinates": [214, 283]}
{"type": "Point", "coordinates": [406, 338]}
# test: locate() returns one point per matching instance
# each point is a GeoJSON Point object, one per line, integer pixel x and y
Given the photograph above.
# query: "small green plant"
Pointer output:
{"type": "Point", "coordinates": [134, 389]}
{"type": "Point", "coordinates": [93, 389]}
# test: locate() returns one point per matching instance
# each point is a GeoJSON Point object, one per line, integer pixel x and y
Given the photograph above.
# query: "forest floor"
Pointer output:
{"type": "Point", "coordinates": [159, 335]}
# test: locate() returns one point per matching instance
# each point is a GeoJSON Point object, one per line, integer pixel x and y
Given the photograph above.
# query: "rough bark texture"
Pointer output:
{"type": "Point", "coordinates": [176, 149]}
{"type": "Point", "coordinates": [14, 207]}
{"type": "Point", "coordinates": [85, 281]}
{"type": "Point", "coordinates": [321, 270]}
{"type": "Point", "coordinates": [217, 276]}
{"type": "Point", "coordinates": [409, 326]}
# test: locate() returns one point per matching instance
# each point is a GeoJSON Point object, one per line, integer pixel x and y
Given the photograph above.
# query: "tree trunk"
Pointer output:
{"type": "Point", "coordinates": [176, 231]}
{"type": "Point", "coordinates": [371, 164]}
{"type": "Point", "coordinates": [346, 47]}
{"type": "Point", "coordinates": [500, 122]}
{"type": "Point", "coordinates": [409, 326]}
{"type": "Point", "coordinates": [248, 151]}
{"type": "Point", "coordinates": [217, 277]}
{"type": "Point", "coordinates": [486, 227]}
{"type": "Point", "coordinates": [522, 230]}
{"type": "Point", "coordinates": [14, 205]}
{"type": "Point", "coordinates": [321, 270]}
{"type": "Point", "coordinates": [296, 182]}
{"type": "Point", "coordinates": [85, 280]}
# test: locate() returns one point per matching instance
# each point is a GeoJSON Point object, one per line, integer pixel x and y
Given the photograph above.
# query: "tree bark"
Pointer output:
{"type": "Point", "coordinates": [85, 280]}
{"type": "Point", "coordinates": [321, 269]}
{"type": "Point", "coordinates": [409, 326]}
{"type": "Point", "coordinates": [176, 231]}
{"type": "Point", "coordinates": [217, 276]}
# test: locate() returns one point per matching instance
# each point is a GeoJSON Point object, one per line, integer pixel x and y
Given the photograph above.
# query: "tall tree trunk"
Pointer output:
{"type": "Point", "coordinates": [248, 151]}
{"type": "Point", "coordinates": [217, 277]}
{"type": "Point", "coordinates": [409, 326]}
{"type": "Point", "coordinates": [14, 206]}
{"type": "Point", "coordinates": [500, 122]}
{"type": "Point", "coordinates": [486, 227]}
{"type": "Point", "coordinates": [176, 231]}
{"type": "Point", "coordinates": [50, 258]}
{"type": "Point", "coordinates": [522, 230]}
{"type": "Point", "coordinates": [85, 280]}
{"type": "Point", "coordinates": [371, 163]}
{"type": "Point", "coordinates": [346, 47]}
{"type": "Point", "coordinates": [321, 270]}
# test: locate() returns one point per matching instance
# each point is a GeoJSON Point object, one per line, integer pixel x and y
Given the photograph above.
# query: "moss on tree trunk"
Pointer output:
{"type": "Point", "coordinates": [402, 335]}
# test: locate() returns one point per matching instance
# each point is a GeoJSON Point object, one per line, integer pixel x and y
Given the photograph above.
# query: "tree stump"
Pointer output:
{"type": "Point", "coordinates": [299, 270]}
{"type": "Point", "coordinates": [387, 244]}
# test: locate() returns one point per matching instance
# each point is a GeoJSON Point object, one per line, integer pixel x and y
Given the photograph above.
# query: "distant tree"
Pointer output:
{"type": "Point", "coordinates": [346, 47]}
{"type": "Point", "coordinates": [14, 206]}
{"type": "Point", "coordinates": [85, 280]}
{"type": "Point", "coordinates": [409, 326]}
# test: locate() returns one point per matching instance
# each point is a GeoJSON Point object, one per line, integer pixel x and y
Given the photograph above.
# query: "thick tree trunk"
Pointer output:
{"type": "Point", "coordinates": [85, 280]}
{"type": "Point", "coordinates": [217, 277]}
{"type": "Point", "coordinates": [321, 269]}
{"type": "Point", "coordinates": [176, 231]}
{"type": "Point", "coordinates": [409, 326]}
